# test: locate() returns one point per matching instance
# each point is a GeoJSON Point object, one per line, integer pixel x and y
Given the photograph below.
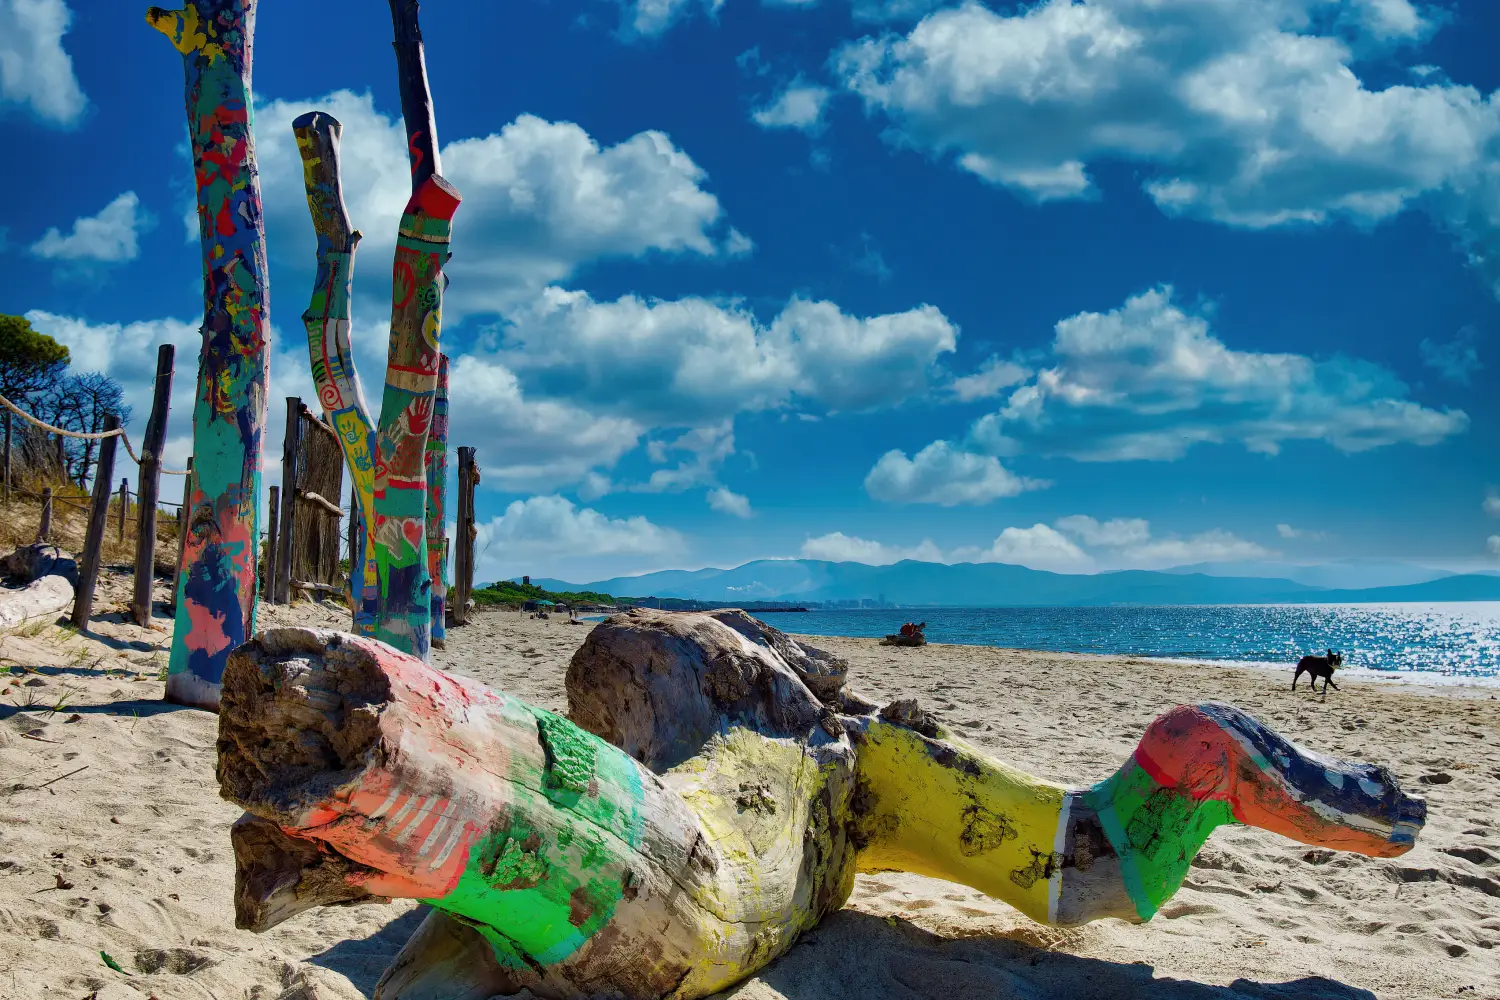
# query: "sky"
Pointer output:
{"type": "Point", "coordinates": [1078, 286]}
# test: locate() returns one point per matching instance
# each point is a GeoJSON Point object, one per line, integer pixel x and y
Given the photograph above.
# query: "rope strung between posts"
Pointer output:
{"type": "Point", "coordinates": [117, 432]}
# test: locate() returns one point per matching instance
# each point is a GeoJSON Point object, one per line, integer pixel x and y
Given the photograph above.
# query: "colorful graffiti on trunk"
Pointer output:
{"type": "Point", "coordinates": [404, 615]}
{"type": "Point", "coordinates": [437, 503]}
{"type": "Point", "coordinates": [328, 347]}
{"type": "Point", "coordinates": [217, 574]}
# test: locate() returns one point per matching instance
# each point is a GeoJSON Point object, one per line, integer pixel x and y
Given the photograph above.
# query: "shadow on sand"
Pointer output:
{"type": "Point", "coordinates": [362, 961]}
{"type": "Point", "coordinates": [856, 956]}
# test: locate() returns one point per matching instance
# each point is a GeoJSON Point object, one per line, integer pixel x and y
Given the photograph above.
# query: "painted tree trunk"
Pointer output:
{"type": "Point", "coordinates": [437, 503]}
{"type": "Point", "coordinates": [404, 614]}
{"type": "Point", "coordinates": [217, 575]}
{"type": "Point", "coordinates": [727, 794]}
{"type": "Point", "coordinates": [328, 345]}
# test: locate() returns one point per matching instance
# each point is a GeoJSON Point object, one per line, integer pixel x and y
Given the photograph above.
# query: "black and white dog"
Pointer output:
{"type": "Point", "coordinates": [1318, 666]}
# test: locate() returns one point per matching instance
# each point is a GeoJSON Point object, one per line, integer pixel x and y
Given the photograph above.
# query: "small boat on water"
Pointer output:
{"type": "Point", "coordinates": [911, 634]}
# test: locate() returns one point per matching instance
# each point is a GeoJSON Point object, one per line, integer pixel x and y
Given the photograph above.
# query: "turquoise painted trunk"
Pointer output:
{"type": "Point", "coordinates": [217, 575]}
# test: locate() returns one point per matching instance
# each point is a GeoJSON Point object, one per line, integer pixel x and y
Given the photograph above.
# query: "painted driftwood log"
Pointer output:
{"type": "Point", "coordinates": [436, 464]}
{"type": "Point", "coordinates": [217, 574]}
{"type": "Point", "coordinates": [712, 799]}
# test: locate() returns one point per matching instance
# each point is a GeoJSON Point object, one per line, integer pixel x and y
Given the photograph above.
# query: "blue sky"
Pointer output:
{"type": "Point", "coordinates": [1078, 286]}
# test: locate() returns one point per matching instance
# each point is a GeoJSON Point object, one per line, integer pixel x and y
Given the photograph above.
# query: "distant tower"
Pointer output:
{"type": "Point", "coordinates": [525, 581]}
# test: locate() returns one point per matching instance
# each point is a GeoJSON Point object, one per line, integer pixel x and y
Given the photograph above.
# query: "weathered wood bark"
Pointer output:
{"type": "Point", "coordinates": [149, 485]}
{"type": "Point", "coordinates": [273, 544]}
{"type": "Point", "coordinates": [217, 578]}
{"type": "Point", "coordinates": [291, 462]}
{"type": "Point", "coordinates": [465, 533]}
{"type": "Point", "coordinates": [726, 814]}
{"type": "Point", "coordinates": [44, 525]}
{"type": "Point", "coordinates": [436, 461]}
{"type": "Point", "coordinates": [539, 833]}
{"type": "Point", "coordinates": [7, 457]}
{"type": "Point", "coordinates": [93, 538]}
{"type": "Point", "coordinates": [327, 321]}
{"type": "Point", "coordinates": [123, 511]}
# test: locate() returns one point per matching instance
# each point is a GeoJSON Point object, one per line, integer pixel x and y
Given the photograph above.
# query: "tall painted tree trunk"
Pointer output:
{"type": "Point", "coordinates": [404, 608]}
{"type": "Point", "coordinates": [328, 345]}
{"type": "Point", "coordinates": [437, 504]}
{"type": "Point", "coordinates": [216, 577]}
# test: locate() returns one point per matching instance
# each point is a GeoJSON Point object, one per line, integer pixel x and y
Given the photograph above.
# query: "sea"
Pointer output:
{"type": "Point", "coordinates": [1441, 643]}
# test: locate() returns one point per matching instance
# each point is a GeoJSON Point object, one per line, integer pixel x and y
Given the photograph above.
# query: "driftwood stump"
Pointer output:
{"type": "Point", "coordinates": [712, 799]}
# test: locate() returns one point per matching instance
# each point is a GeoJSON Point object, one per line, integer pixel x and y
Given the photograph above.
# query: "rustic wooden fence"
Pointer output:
{"type": "Point", "coordinates": [307, 531]}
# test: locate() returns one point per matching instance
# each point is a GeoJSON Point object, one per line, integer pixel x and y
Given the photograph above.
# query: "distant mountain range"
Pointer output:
{"type": "Point", "coordinates": [1002, 585]}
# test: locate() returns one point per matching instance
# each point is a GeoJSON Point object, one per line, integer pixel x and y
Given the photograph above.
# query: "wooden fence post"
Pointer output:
{"type": "Point", "coordinates": [273, 539]}
{"type": "Point", "coordinates": [216, 598]}
{"type": "Point", "coordinates": [93, 539]}
{"type": "Point", "coordinates": [124, 506]}
{"type": "Point", "coordinates": [184, 519]}
{"type": "Point", "coordinates": [291, 455]}
{"type": "Point", "coordinates": [356, 549]}
{"type": "Point", "coordinates": [148, 483]}
{"type": "Point", "coordinates": [463, 553]}
{"type": "Point", "coordinates": [44, 528]}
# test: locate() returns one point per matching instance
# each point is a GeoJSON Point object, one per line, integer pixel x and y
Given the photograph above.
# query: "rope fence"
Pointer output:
{"type": "Point", "coordinates": [85, 435]}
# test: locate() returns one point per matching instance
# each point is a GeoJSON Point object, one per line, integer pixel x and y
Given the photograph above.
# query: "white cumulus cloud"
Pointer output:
{"type": "Point", "coordinates": [546, 534]}
{"type": "Point", "coordinates": [1036, 547]}
{"type": "Point", "coordinates": [799, 106]}
{"type": "Point", "coordinates": [993, 376]}
{"type": "Point", "coordinates": [1115, 533]}
{"type": "Point", "coordinates": [691, 361]}
{"type": "Point", "coordinates": [540, 198]}
{"type": "Point", "coordinates": [1149, 381]}
{"type": "Point", "coordinates": [109, 237]}
{"type": "Point", "coordinates": [1290, 533]}
{"type": "Point", "coordinates": [839, 547]}
{"type": "Point", "coordinates": [1208, 546]}
{"type": "Point", "coordinates": [944, 475]}
{"type": "Point", "coordinates": [726, 501]}
{"type": "Point", "coordinates": [1248, 114]}
{"type": "Point", "coordinates": [35, 71]}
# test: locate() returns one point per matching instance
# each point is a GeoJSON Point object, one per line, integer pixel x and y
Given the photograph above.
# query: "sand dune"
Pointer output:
{"type": "Point", "coordinates": [130, 855]}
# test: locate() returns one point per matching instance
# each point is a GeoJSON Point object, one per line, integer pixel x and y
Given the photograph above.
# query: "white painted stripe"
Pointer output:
{"type": "Point", "coordinates": [454, 839]}
{"type": "Point", "coordinates": [385, 806]}
{"type": "Point", "coordinates": [413, 808]}
{"type": "Point", "coordinates": [1059, 843]}
{"type": "Point", "coordinates": [438, 829]}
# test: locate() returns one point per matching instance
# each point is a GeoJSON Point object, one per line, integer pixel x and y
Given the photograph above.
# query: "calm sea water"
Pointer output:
{"type": "Point", "coordinates": [1456, 642]}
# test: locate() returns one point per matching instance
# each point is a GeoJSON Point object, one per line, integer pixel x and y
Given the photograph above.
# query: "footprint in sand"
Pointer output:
{"type": "Point", "coordinates": [177, 961]}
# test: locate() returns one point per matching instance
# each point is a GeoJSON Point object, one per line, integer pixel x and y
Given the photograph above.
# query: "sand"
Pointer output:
{"type": "Point", "coordinates": [130, 855]}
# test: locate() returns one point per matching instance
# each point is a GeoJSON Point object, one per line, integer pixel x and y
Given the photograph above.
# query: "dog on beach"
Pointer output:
{"type": "Point", "coordinates": [1318, 666]}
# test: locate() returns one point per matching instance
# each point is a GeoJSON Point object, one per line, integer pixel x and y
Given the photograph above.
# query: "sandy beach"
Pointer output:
{"type": "Point", "coordinates": [113, 838]}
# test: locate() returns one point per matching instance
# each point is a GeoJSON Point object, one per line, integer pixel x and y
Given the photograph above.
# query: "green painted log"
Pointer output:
{"type": "Point", "coordinates": [217, 575]}
{"type": "Point", "coordinates": [437, 504]}
{"type": "Point", "coordinates": [716, 802]}
{"type": "Point", "coordinates": [328, 346]}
